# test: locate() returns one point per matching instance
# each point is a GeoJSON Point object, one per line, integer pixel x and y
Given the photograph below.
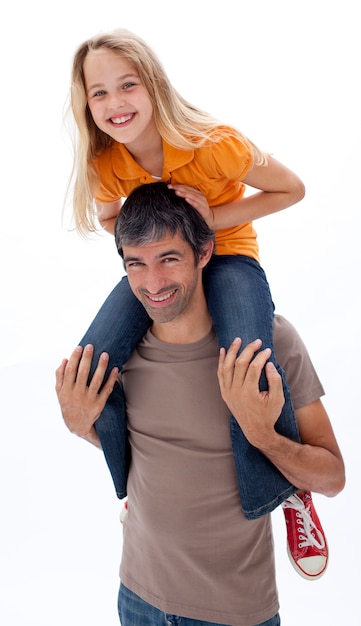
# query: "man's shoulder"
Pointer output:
{"type": "Point", "coordinates": [292, 354]}
{"type": "Point", "coordinates": [284, 333]}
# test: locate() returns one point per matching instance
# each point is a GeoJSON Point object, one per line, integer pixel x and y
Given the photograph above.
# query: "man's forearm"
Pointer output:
{"type": "Point", "coordinates": [308, 467]}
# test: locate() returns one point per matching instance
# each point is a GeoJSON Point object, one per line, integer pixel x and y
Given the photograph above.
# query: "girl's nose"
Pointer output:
{"type": "Point", "coordinates": [116, 101]}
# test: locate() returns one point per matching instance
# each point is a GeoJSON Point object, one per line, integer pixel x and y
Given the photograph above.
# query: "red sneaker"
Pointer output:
{"type": "Point", "coordinates": [306, 542]}
{"type": "Point", "coordinates": [123, 512]}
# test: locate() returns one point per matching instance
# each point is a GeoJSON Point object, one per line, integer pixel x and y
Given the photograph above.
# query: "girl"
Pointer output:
{"type": "Point", "coordinates": [134, 128]}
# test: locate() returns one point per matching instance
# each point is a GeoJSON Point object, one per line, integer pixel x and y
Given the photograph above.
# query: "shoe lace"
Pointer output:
{"type": "Point", "coordinates": [311, 535]}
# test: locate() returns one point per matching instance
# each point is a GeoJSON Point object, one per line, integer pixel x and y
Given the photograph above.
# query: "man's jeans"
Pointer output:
{"type": "Point", "coordinates": [133, 611]}
{"type": "Point", "coordinates": [240, 305]}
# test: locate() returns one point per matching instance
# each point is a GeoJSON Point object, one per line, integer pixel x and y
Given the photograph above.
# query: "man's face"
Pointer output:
{"type": "Point", "coordinates": [165, 277]}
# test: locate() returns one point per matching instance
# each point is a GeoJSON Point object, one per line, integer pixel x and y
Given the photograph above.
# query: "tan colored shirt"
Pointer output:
{"type": "Point", "coordinates": [188, 549]}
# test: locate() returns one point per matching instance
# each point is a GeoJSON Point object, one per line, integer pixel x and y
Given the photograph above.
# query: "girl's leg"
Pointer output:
{"type": "Point", "coordinates": [117, 329]}
{"type": "Point", "coordinates": [240, 304]}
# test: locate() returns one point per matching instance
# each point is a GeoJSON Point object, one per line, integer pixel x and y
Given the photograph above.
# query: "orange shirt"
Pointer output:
{"type": "Point", "coordinates": [217, 169]}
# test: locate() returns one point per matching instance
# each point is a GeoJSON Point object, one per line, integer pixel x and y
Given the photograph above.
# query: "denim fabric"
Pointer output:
{"type": "Point", "coordinates": [117, 329]}
{"type": "Point", "coordinates": [133, 611]}
{"type": "Point", "coordinates": [240, 304]}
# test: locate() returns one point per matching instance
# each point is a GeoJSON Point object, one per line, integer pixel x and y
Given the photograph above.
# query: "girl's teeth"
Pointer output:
{"type": "Point", "coordinates": [121, 120]}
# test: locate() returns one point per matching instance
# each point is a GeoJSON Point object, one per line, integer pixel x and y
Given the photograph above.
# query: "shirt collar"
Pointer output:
{"type": "Point", "coordinates": [126, 168]}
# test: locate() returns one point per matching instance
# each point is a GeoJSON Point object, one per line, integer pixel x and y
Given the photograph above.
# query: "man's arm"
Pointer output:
{"type": "Point", "coordinates": [81, 404]}
{"type": "Point", "coordinates": [315, 464]}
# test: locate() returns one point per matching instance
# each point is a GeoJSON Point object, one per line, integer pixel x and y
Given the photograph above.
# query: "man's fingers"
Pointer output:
{"type": "Point", "coordinates": [274, 380]}
{"type": "Point", "coordinates": [84, 363]}
{"type": "Point", "coordinates": [233, 367]}
{"type": "Point", "coordinates": [251, 369]}
{"type": "Point", "coordinates": [71, 367]}
{"type": "Point", "coordinates": [59, 375]}
{"type": "Point", "coordinates": [226, 362]}
{"type": "Point", "coordinates": [98, 376]}
{"type": "Point", "coordinates": [74, 373]}
{"type": "Point", "coordinates": [109, 385]}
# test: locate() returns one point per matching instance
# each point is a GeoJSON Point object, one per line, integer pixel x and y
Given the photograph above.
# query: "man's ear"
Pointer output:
{"type": "Point", "coordinates": [206, 254]}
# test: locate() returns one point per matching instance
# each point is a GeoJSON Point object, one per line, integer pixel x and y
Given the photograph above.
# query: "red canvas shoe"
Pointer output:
{"type": "Point", "coordinates": [306, 542]}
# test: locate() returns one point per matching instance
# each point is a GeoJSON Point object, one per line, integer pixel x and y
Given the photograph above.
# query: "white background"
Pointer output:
{"type": "Point", "coordinates": [287, 74]}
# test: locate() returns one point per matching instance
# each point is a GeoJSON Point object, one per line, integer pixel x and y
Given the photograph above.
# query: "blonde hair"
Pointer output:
{"type": "Point", "coordinates": [181, 124]}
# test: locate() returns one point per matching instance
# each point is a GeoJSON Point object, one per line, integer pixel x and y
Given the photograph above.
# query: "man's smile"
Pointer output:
{"type": "Point", "coordinates": [160, 298]}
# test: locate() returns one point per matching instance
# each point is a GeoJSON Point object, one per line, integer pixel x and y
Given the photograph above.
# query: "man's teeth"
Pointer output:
{"type": "Point", "coordinates": [121, 120]}
{"type": "Point", "coordinates": [161, 298]}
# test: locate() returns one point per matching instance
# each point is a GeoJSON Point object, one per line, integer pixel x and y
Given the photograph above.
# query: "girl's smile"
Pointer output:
{"type": "Point", "coordinates": [118, 101]}
{"type": "Point", "coordinates": [121, 121]}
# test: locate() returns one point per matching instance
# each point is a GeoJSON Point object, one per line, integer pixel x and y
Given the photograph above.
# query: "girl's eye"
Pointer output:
{"type": "Point", "coordinates": [99, 93]}
{"type": "Point", "coordinates": [128, 85]}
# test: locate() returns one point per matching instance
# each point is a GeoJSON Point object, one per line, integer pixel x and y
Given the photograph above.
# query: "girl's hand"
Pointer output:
{"type": "Point", "coordinates": [197, 200]}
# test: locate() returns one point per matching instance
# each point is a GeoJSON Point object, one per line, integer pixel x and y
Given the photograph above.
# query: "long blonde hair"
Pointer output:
{"type": "Point", "coordinates": [179, 123]}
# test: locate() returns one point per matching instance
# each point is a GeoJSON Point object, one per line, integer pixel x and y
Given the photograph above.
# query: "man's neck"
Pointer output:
{"type": "Point", "coordinates": [183, 331]}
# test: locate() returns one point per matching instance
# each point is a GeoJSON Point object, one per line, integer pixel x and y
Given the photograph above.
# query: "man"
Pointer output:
{"type": "Point", "coordinates": [189, 555]}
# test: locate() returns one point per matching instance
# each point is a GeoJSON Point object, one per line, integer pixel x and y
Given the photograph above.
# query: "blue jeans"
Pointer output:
{"type": "Point", "coordinates": [240, 304]}
{"type": "Point", "coordinates": [133, 611]}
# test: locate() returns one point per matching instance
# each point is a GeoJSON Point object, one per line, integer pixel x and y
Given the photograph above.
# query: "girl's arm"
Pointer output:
{"type": "Point", "coordinates": [107, 214]}
{"type": "Point", "coordinates": [278, 188]}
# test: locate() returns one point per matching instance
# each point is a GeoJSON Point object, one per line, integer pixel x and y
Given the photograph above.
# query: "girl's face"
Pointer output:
{"type": "Point", "coordinates": [119, 103]}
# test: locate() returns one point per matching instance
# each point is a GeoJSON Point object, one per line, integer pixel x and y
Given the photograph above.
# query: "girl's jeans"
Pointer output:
{"type": "Point", "coordinates": [133, 611]}
{"type": "Point", "coordinates": [240, 305]}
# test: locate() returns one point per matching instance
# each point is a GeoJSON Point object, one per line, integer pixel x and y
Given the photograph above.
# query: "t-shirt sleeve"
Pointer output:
{"type": "Point", "coordinates": [110, 186]}
{"type": "Point", "coordinates": [292, 355]}
{"type": "Point", "coordinates": [232, 158]}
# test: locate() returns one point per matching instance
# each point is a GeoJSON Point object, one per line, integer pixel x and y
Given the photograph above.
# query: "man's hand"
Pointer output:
{"type": "Point", "coordinates": [255, 411]}
{"type": "Point", "coordinates": [315, 464]}
{"type": "Point", "coordinates": [81, 404]}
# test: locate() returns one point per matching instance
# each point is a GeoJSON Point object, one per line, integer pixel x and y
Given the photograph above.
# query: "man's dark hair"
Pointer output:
{"type": "Point", "coordinates": [152, 211]}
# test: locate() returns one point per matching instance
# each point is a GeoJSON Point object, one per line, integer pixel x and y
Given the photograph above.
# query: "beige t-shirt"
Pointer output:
{"type": "Point", "coordinates": [188, 549]}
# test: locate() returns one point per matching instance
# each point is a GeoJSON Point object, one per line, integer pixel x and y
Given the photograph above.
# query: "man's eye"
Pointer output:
{"type": "Point", "coordinates": [133, 264]}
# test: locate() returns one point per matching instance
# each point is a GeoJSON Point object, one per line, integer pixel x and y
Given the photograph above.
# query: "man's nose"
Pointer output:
{"type": "Point", "coordinates": [155, 281]}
